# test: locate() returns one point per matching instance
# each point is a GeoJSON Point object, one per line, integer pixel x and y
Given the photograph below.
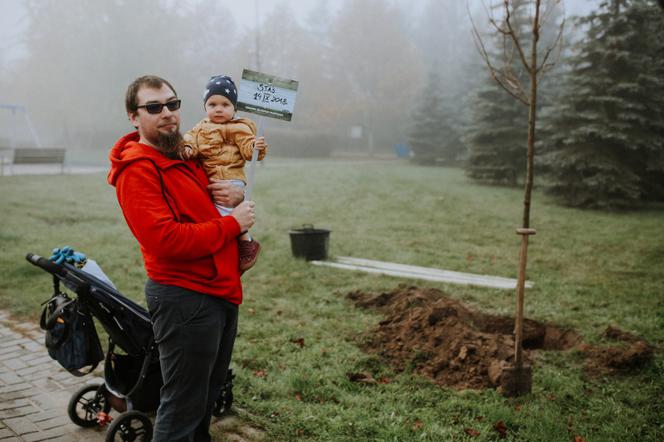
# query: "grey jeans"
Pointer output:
{"type": "Point", "coordinates": [195, 334]}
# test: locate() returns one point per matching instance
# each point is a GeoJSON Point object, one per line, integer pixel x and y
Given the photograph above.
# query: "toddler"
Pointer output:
{"type": "Point", "coordinates": [223, 144]}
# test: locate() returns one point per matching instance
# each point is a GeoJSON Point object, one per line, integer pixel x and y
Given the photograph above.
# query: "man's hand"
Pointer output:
{"type": "Point", "coordinates": [225, 193]}
{"type": "Point", "coordinates": [244, 214]}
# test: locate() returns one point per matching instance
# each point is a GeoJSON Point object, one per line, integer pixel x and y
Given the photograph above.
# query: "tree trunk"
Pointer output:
{"type": "Point", "coordinates": [532, 115]}
{"type": "Point", "coordinates": [525, 231]}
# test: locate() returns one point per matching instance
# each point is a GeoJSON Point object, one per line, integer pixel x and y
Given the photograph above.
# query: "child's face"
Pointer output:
{"type": "Point", "coordinates": [219, 109]}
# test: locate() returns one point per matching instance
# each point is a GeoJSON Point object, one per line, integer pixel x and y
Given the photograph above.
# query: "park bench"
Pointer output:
{"type": "Point", "coordinates": [33, 155]}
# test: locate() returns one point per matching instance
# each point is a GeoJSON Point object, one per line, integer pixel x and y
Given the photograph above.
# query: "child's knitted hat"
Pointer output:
{"type": "Point", "coordinates": [221, 85]}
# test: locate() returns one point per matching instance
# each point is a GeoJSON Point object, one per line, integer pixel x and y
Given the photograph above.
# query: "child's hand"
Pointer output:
{"type": "Point", "coordinates": [260, 143]}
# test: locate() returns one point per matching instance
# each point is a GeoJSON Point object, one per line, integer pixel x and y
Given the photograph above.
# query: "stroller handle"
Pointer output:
{"type": "Point", "coordinates": [49, 266]}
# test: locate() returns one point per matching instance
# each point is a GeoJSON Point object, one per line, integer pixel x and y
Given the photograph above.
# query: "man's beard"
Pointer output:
{"type": "Point", "coordinates": [168, 144]}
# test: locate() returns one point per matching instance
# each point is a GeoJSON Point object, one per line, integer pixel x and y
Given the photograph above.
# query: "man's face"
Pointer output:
{"type": "Point", "coordinates": [154, 129]}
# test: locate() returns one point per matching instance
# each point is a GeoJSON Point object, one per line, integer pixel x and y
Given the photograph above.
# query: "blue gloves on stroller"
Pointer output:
{"type": "Point", "coordinates": [67, 254]}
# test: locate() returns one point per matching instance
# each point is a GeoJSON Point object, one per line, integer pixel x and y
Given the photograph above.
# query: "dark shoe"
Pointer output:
{"type": "Point", "coordinates": [248, 254]}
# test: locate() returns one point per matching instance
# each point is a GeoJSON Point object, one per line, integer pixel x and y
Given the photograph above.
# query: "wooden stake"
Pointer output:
{"type": "Point", "coordinates": [520, 287]}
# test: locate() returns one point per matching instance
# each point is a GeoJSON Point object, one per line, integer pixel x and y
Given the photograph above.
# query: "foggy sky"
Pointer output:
{"type": "Point", "coordinates": [344, 52]}
{"type": "Point", "coordinates": [12, 24]}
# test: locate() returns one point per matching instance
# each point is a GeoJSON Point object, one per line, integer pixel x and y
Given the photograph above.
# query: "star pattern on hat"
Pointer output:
{"type": "Point", "coordinates": [221, 85]}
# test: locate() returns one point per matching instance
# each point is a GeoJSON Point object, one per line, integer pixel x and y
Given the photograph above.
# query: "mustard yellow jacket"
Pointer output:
{"type": "Point", "coordinates": [222, 148]}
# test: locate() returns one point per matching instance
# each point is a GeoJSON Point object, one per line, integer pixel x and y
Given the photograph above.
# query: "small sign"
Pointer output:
{"type": "Point", "coordinates": [267, 95]}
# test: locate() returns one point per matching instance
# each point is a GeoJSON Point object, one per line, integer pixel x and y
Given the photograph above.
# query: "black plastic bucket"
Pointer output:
{"type": "Point", "coordinates": [309, 243]}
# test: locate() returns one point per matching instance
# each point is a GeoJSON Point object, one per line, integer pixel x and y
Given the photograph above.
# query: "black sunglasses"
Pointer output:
{"type": "Point", "coordinates": [156, 108]}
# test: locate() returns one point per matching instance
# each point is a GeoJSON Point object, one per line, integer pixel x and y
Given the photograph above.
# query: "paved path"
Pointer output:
{"type": "Point", "coordinates": [34, 389]}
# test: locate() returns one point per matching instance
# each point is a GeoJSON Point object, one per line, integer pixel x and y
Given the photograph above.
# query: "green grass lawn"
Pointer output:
{"type": "Point", "coordinates": [590, 270]}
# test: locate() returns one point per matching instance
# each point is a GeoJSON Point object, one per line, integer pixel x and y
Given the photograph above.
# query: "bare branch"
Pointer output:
{"type": "Point", "coordinates": [515, 37]}
{"type": "Point", "coordinates": [519, 94]}
{"type": "Point", "coordinates": [500, 77]}
{"type": "Point", "coordinates": [557, 43]}
{"type": "Point", "coordinates": [547, 13]}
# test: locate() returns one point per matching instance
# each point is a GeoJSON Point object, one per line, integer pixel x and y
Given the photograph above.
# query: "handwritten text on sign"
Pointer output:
{"type": "Point", "coordinates": [267, 95]}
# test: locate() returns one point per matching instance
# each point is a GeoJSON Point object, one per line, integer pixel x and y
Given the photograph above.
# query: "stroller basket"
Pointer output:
{"type": "Point", "coordinates": [126, 323]}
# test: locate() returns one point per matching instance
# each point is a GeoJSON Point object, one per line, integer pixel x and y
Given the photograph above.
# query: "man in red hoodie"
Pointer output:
{"type": "Point", "coordinates": [190, 254]}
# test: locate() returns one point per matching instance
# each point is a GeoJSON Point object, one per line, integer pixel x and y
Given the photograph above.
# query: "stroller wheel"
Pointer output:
{"type": "Point", "coordinates": [222, 405]}
{"type": "Point", "coordinates": [130, 426]}
{"type": "Point", "coordinates": [86, 403]}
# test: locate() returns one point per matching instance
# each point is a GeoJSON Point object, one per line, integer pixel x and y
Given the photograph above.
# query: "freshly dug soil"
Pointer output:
{"type": "Point", "coordinates": [460, 347]}
{"type": "Point", "coordinates": [631, 352]}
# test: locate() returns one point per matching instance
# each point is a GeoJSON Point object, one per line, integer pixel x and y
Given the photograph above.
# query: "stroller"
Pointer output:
{"type": "Point", "coordinates": [132, 378]}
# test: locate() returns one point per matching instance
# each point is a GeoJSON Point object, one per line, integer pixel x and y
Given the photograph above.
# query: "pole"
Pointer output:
{"type": "Point", "coordinates": [254, 162]}
{"type": "Point", "coordinates": [520, 287]}
{"type": "Point", "coordinates": [35, 137]}
{"type": "Point", "coordinates": [258, 47]}
{"type": "Point", "coordinates": [13, 139]}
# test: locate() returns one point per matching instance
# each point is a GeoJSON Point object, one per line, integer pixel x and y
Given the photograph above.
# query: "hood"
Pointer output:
{"type": "Point", "coordinates": [127, 150]}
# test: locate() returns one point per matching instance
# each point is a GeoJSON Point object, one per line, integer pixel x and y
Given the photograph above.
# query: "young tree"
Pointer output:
{"type": "Point", "coordinates": [604, 140]}
{"type": "Point", "coordinates": [517, 379]}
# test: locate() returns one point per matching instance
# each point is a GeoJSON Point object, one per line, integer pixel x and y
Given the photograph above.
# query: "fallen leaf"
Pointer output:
{"type": "Point", "coordinates": [298, 341]}
{"type": "Point", "coordinates": [471, 432]}
{"type": "Point", "coordinates": [501, 428]}
{"type": "Point", "coordinates": [251, 311]}
{"type": "Point", "coordinates": [260, 373]}
{"type": "Point", "coordinates": [384, 380]}
{"type": "Point", "coordinates": [298, 396]}
{"type": "Point", "coordinates": [579, 439]}
{"type": "Point", "coordinates": [417, 425]}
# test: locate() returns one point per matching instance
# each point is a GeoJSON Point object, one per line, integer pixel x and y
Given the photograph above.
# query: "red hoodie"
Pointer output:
{"type": "Point", "coordinates": [184, 240]}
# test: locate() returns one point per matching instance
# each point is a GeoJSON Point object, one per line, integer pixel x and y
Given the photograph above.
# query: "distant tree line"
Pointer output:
{"type": "Point", "coordinates": [356, 65]}
{"type": "Point", "coordinates": [601, 125]}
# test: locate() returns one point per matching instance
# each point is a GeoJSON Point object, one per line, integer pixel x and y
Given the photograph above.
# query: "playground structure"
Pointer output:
{"type": "Point", "coordinates": [15, 109]}
{"type": "Point", "coordinates": [31, 155]}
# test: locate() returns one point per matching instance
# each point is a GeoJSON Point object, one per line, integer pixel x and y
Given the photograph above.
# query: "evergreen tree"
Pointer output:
{"type": "Point", "coordinates": [604, 139]}
{"type": "Point", "coordinates": [497, 137]}
{"type": "Point", "coordinates": [432, 138]}
{"type": "Point", "coordinates": [438, 35]}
